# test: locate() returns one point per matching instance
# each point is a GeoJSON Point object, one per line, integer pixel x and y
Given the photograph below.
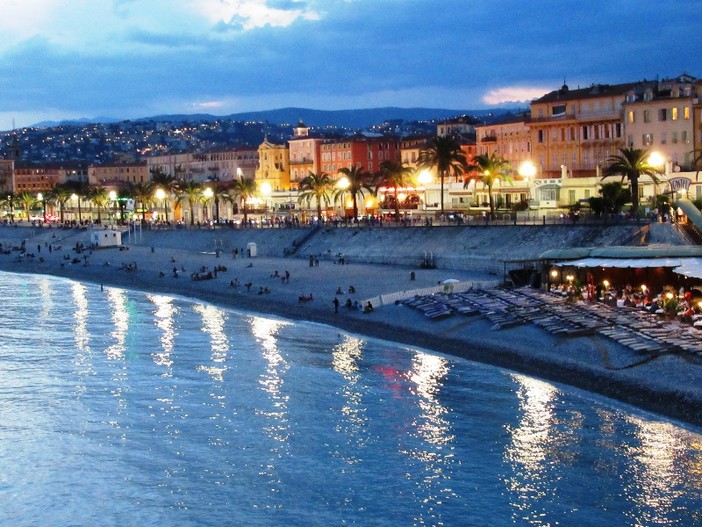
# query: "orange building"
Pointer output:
{"type": "Point", "coordinates": [359, 150]}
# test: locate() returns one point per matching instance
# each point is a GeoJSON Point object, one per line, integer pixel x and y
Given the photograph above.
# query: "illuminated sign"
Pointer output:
{"type": "Point", "coordinates": [679, 183]}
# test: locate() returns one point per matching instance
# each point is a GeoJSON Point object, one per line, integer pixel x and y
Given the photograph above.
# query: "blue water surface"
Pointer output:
{"type": "Point", "coordinates": [126, 408]}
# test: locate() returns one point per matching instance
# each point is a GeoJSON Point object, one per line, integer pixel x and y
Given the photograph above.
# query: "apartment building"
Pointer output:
{"type": "Point", "coordinates": [661, 118]}
{"type": "Point", "coordinates": [359, 150]}
{"type": "Point", "coordinates": [304, 154]}
{"type": "Point", "coordinates": [213, 165]}
{"type": "Point", "coordinates": [35, 178]}
{"type": "Point", "coordinates": [119, 175]}
{"type": "Point", "coordinates": [574, 132]}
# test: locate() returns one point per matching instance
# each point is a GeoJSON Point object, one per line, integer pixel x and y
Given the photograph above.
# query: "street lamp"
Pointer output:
{"type": "Point", "coordinates": [40, 197]}
{"type": "Point", "coordinates": [208, 192]}
{"type": "Point", "coordinates": [161, 196]}
{"type": "Point", "coordinates": [657, 161]}
{"type": "Point", "coordinates": [527, 170]}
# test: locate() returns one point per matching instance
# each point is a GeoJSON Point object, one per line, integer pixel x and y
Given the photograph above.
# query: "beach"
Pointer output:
{"type": "Point", "coordinates": [302, 288]}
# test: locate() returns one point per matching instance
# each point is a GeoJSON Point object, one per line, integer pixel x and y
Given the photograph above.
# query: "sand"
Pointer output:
{"type": "Point", "coordinates": [670, 385]}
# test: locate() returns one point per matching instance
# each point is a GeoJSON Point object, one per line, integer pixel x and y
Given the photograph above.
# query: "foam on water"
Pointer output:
{"type": "Point", "coordinates": [126, 408]}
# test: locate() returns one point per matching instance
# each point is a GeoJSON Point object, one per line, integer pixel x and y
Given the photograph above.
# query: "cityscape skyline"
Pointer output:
{"type": "Point", "coordinates": [134, 58]}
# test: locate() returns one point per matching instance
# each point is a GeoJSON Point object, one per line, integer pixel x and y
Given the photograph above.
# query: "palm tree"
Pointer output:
{"type": "Point", "coordinates": [445, 155]}
{"type": "Point", "coordinates": [631, 164]}
{"type": "Point", "coordinates": [79, 190]}
{"type": "Point", "coordinates": [100, 197]}
{"type": "Point", "coordinates": [491, 169]}
{"type": "Point", "coordinates": [27, 200]}
{"type": "Point", "coordinates": [359, 183]}
{"type": "Point", "coordinates": [191, 191]}
{"type": "Point", "coordinates": [697, 163]}
{"type": "Point", "coordinates": [9, 199]}
{"type": "Point", "coordinates": [317, 186]}
{"type": "Point", "coordinates": [394, 175]}
{"type": "Point", "coordinates": [244, 189]}
{"type": "Point", "coordinates": [142, 193]}
{"type": "Point", "coordinates": [166, 182]}
{"type": "Point", "coordinates": [61, 193]}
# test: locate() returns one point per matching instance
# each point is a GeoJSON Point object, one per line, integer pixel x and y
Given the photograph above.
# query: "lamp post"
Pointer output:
{"type": "Point", "coordinates": [527, 170]}
{"type": "Point", "coordinates": [40, 197]}
{"type": "Point", "coordinates": [343, 184]}
{"type": "Point", "coordinates": [208, 193]}
{"type": "Point", "coordinates": [161, 196]}
{"type": "Point", "coordinates": [657, 161]}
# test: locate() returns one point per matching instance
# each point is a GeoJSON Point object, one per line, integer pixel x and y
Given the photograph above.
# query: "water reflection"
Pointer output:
{"type": "Point", "coordinates": [213, 323]}
{"type": "Point", "coordinates": [530, 447]}
{"type": "Point", "coordinates": [659, 464]}
{"type": "Point", "coordinates": [433, 428]}
{"type": "Point", "coordinates": [165, 321]}
{"type": "Point", "coordinates": [46, 299]}
{"type": "Point", "coordinates": [117, 299]}
{"type": "Point", "coordinates": [346, 357]}
{"type": "Point", "coordinates": [272, 381]}
{"type": "Point", "coordinates": [80, 317]}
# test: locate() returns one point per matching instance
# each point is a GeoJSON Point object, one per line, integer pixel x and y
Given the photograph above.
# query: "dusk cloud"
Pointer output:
{"type": "Point", "coordinates": [133, 58]}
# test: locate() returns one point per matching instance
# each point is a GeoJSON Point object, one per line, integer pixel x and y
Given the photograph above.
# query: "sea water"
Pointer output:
{"type": "Point", "coordinates": [128, 408]}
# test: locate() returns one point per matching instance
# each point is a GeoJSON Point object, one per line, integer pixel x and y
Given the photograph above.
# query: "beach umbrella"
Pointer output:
{"type": "Point", "coordinates": [450, 281]}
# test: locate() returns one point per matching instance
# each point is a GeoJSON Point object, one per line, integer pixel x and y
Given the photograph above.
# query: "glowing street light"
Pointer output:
{"type": "Point", "coordinates": [40, 197]}
{"type": "Point", "coordinates": [656, 159]}
{"type": "Point", "coordinates": [343, 183]}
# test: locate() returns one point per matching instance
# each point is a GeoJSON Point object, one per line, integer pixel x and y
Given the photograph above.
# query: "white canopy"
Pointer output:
{"type": "Point", "coordinates": [626, 262]}
{"type": "Point", "coordinates": [690, 267]}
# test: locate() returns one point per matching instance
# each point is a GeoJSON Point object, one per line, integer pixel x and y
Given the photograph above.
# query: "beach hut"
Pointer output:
{"type": "Point", "coordinates": [106, 238]}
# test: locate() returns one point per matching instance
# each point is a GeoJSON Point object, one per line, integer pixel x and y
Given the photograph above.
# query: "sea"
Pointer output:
{"type": "Point", "coordinates": [121, 407]}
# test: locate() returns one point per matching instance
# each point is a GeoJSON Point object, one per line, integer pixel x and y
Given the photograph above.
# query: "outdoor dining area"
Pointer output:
{"type": "Point", "coordinates": [643, 299]}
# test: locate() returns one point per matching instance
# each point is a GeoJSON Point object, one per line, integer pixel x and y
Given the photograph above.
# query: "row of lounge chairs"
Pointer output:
{"type": "Point", "coordinates": [638, 330]}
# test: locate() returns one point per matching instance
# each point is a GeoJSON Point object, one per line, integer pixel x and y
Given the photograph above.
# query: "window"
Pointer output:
{"type": "Point", "coordinates": [675, 138]}
{"type": "Point", "coordinates": [663, 114]}
{"type": "Point", "coordinates": [686, 113]}
{"type": "Point", "coordinates": [685, 138]}
{"type": "Point", "coordinates": [664, 138]}
{"type": "Point", "coordinates": [540, 136]}
{"type": "Point", "coordinates": [647, 116]}
{"type": "Point", "coordinates": [631, 116]}
{"type": "Point", "coordinates": [571, 196]}
{"type": "Point", "coordinates": [585, 134]}
{"type": "Point", "coordinates": [673, 114]}
{"type": "Point", "coordinates": [647, 139]}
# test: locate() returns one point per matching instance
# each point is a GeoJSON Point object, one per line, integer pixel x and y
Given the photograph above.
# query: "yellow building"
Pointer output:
{"type": "Point", "coordinates": [578, 130]}
{"type": "Point", "coordinates": [273, 166]}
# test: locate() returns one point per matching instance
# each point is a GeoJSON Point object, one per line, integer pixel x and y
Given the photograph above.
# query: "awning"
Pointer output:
{"type": "Point", "coordinates": [690, 267]}
{"type": "Point", "coordinates": [624, 263]}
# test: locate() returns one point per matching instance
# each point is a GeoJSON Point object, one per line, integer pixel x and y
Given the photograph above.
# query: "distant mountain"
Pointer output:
{"type": "Point", "coordinates": [353, 119]}
{"type": "Point", "coordinates": [75, 122]}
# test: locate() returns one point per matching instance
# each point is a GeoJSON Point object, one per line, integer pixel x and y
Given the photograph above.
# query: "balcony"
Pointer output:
{"type": "Point", "coordinates": [303, 161]}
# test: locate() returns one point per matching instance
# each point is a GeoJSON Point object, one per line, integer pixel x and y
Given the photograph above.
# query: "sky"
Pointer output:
{"type": "Point", "coordinates": [126, 59]}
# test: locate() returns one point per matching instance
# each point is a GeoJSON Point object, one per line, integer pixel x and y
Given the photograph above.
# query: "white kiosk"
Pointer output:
{"type": "Point", "coordinates": [106, 238]}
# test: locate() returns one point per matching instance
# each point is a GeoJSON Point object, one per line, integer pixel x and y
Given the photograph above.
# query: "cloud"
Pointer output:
{"type": "Point", "coordinates": [130, 57]}
{"type": "Point", "coordinates": [512, 94]}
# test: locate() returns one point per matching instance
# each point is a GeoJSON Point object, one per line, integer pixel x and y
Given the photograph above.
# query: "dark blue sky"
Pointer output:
{"type": "Point", "coordinates": [135, 58]}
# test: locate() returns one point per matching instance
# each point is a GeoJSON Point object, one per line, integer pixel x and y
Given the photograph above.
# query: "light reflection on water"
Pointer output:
{"type": "Point", "coordinates": [197, 415]}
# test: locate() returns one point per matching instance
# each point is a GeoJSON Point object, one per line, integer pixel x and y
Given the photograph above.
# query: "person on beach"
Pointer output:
{"type": "Point", "coordinates": [336, 304]}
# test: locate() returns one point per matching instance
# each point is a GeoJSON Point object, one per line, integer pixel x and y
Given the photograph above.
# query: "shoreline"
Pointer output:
{"type": "Point", "coordinates": [670, 385]}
